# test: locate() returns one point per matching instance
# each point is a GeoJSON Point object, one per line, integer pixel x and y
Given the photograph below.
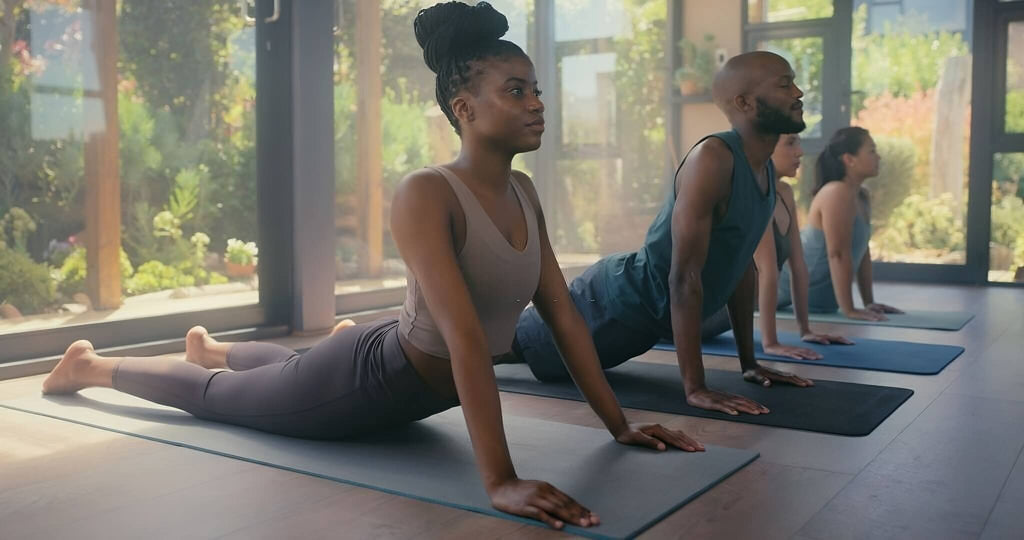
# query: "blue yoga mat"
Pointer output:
{"type": "Point", "coordinates": [631, 488]}
{"type": "Point", "coordinates": [872, 354]}
{"type": "Point", "coordinates": [929, 320]}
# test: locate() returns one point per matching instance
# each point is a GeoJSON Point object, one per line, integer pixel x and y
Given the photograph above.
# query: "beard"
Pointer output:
{"type": "Point", "coordinates": [774, 120]}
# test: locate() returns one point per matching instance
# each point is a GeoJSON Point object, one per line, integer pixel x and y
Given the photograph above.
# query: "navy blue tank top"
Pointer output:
{"type": "Point", "coordinates": [637, 282]}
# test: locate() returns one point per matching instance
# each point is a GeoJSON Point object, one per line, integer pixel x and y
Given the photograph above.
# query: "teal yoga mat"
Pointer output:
{"type": "Point", "coordinates": [872, 354]}
{"type": "Point", "coordinates": [827, 407]}
{"type": "Point", "coordinates": [631, 488]}
{"type": "Point", "coordinates": [930, 320]}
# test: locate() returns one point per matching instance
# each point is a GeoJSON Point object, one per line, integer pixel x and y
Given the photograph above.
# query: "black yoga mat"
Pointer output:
{"type": "Point", "coordinates": [827, 407]}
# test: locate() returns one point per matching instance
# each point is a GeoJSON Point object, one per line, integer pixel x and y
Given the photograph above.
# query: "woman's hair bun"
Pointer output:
{"type": "Point", "coordinates": [445, 29]}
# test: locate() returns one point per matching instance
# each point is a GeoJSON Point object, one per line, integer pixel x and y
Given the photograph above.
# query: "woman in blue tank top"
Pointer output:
{"type": "Point", "coordinates": [780, 256]}
{"type": "Point", "coordinates": [835, 242]}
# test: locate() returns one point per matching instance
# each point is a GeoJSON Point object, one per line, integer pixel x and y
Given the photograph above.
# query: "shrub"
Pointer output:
{"type": "Point", "coordinates": [1007, 219]}
{"type": "Point", "coordinates": [1015, 111]}
{"type": "Point", "coordinates": [70, 277]}
{"type": "Point", "coordinates": [910, 118]}
{"type": "Point", "coordinates": [24, 283]}
{"type": "Point", "coordinates": [19, 225]}
{"type": "Point", "coordinates": [920, 222]}
{"type": "Point", "coordinates": [156, 276]}
{"type": "Point", "coordinates": [895, 178]}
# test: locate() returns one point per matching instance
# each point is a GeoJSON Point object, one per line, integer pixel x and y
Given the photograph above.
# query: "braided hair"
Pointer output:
{"type": "Point", "coordinates": [830, 167]}
{"type": "Point", "coordinates": [454, 36]}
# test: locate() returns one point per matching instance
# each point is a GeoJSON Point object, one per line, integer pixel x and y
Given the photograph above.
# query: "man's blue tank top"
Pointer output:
{"type": "Point", "coordinates": [637, 282]}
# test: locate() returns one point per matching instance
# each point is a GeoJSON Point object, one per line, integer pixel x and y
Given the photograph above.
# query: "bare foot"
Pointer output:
{"type": "Point", "coordinates": [67, 376]}
{"type": "Point", "coordinates": [202, 350]}
{"type": "Point", "coordinates": [342, 325]}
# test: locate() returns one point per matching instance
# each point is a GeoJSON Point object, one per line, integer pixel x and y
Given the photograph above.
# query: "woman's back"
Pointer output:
{"type": "Point", "coordinates": [834, 197]}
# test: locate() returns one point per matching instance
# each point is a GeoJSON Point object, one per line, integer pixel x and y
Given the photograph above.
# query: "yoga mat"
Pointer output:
{"type": "Point", "coordinates": [827, 407]}
{"type": "Point", "coordinates": [873, 354]}
{"type": "Point", "coordinates": [631, 488]}
{"type": "Point", "coordinates": [931, 320]}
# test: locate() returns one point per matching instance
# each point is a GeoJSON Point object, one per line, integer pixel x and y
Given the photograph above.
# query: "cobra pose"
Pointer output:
{"type": "Point", "coordinates": [472, 235]}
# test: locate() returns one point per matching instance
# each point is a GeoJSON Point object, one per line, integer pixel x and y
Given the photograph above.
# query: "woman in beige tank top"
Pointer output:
{"type": "Point", "coordinates": [488, 90]}
{"type": "Point", "coordinates": [472, 235]}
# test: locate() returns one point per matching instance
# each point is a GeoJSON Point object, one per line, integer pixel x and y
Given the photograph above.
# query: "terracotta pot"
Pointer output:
{"type": "Point", "coordinates": [8, 311]}
{"type": "Point", "coordinates": [689, 87]}
{"type": "Point", "coordinates": [239, 270]}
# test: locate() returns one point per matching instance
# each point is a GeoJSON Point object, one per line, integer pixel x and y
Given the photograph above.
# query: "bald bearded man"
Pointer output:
{"type": "Point", "coordinates": [698, 254]}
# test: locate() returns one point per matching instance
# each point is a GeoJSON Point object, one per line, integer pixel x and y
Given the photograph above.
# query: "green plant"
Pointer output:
{"type": "Point", "coordinates": [70, 277]}
{"type": "Point", "coordinates": [19, 225]}
{"type": "Point", "coordinates": [1015, 111]}
{"type": "Point", "coordinates": [24, 283]}
{"type": "Point", "coordinates": [920, 222]}
{"type": "Point", "coordinates": [899, 60]}
{"type": "Point", "coordinates": [895, 178]}
{"type": "Point", "coordinates": [239, 252]}
{"type": "Point", "coordinates": [1018, 252]}
{"type": "Point", "coordinates": [698, 62]}
{"type": "Point", "coordinates": [1007, 219]}
{"type": "Point", "coordinates": [155, 276]}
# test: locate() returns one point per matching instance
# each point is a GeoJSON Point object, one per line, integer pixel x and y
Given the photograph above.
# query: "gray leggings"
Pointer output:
{"type": "Point", "coordinates": [355, 381]}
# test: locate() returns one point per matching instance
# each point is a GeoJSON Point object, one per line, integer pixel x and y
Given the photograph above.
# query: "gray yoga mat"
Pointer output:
{"type": "Point", "coordinates": [630, 488]}
{"type": "Point", "coordinates": [873, 354]}
{"type": "Point", "coordinates": [930, 320]}
{"type": "Point", "coordinates": [827, 407]}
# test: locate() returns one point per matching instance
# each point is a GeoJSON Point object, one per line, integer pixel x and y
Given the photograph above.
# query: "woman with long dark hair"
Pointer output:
{"type": "Point", "coordinates": [835, 242]}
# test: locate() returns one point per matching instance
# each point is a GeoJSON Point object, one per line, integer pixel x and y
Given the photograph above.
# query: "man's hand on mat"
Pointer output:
{"type": "Point", "coordinates": [789, 351]}
{"type": "Point", "coordinates": [541, 501]}
{"type": "Point", "coordinates": [825, 339]}
{"type": "Point", "coordinates": [882, 308]}
{"type": "Point", "coordinates": [765, 376]}
{"type": "Point", "coordinates": [656, 436]}
{"type": "Point", "coordinates": [865, 315]}
{"type": "Point", "coordinates": [713, 400]}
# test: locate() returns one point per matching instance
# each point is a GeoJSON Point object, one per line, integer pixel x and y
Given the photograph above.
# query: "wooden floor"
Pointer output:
{"type": "Point", "coordinates": [947, 464]}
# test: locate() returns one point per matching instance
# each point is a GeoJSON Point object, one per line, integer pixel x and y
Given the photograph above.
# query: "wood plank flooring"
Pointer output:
{"type": "Point", "coordinates": [947, 464]}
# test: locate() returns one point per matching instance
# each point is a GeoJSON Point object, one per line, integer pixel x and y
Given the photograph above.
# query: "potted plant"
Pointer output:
{"type": "Point", "coordinates": [240, 258]}
{"type": "Point", "coordinates": [694, 77]}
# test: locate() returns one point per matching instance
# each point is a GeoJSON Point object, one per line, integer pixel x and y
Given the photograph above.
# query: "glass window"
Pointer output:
{"type": "Point", "coordinates": [400, 130]}
{"type": "Point", "coordinates": [172, 98]}
{"type": "Point", "coordinates": [1006, 247]}
{"type": "Point", "coordinates": [769, 11]}
{"type": "Point", "coordinates": [1015, 78]}
{"type": "Point", "coordinates": [911, 90]}
{"type": "Point", "coordinates": [925, 14]}
{"type": "Point", "coordinates": [805, 55]}
{"type": "Point", "coordinates": [611, 159]}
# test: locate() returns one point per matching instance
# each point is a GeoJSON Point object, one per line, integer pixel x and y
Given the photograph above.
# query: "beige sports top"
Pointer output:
{"type": "Point", "coordinates": [501, 279]}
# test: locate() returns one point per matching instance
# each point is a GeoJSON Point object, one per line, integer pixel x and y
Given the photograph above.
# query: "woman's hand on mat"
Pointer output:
{"type": "Point", "coordinates": [825, 339]}
{"type": "Point", "coordinates": [656, 436]}
{"type": "Point", "coordinates": [789, 351]}
{"type": "Point", "coordinates": [882, 308]}
{"type": "Point", "coordinates": [713, 400]}
{"type": "Point", "coordinates": [765, 376]}
{"type": "Point", "coordinates": [541, 501]}
{"type": "Point", "coordinates": [865, 315]}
